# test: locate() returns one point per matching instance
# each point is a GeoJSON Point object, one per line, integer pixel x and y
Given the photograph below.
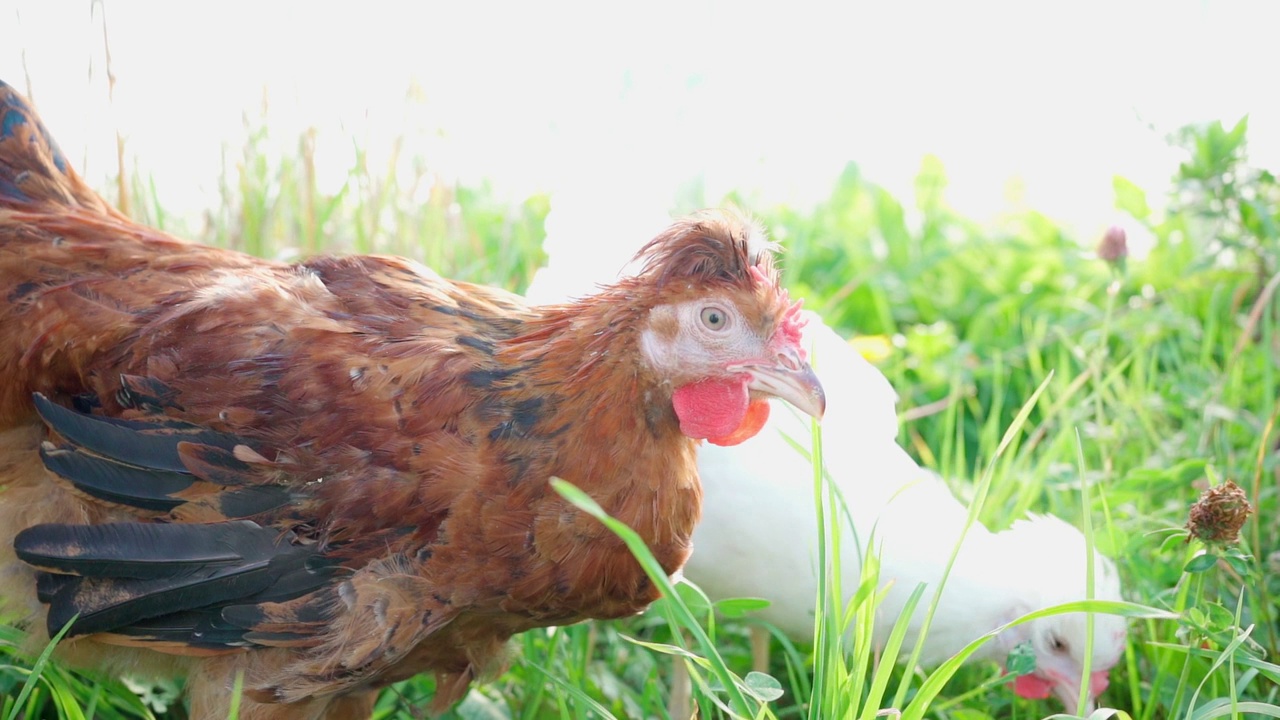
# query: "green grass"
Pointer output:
{"type": "Point", "coordinates": [1148, 384]}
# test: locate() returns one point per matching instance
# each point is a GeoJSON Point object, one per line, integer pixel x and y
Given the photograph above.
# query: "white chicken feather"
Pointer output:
{"type": "Point", "coordinates": [758, 537]}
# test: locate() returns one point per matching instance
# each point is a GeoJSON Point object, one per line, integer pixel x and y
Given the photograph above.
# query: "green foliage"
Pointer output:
{"type": "Point", "coordinates": [1152, 383]}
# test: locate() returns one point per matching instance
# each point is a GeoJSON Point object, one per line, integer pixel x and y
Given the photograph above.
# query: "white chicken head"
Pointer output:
{"type": "Point", "coordinates": [1060, 642]}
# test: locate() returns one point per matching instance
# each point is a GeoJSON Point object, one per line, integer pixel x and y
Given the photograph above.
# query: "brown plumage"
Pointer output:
{"type": "Point", "coordinates": [333, 475]}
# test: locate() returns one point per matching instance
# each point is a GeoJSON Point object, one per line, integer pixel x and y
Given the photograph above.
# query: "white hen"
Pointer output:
{"type": "Point", "coordinates": [758, 534]}
{"type": "Point", "coordinates": [758, 537]}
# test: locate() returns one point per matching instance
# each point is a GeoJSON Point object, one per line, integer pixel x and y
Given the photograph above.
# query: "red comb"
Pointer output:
{"type": "Point", "coordinates": [792, 321]}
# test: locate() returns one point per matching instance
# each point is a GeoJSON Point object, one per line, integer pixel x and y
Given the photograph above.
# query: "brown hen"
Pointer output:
{"type": "Point", "coordinates": [333, 475]}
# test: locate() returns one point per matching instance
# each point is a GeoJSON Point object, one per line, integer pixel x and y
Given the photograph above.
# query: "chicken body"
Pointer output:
{"type": "Point", "coordinates": [333, 475]}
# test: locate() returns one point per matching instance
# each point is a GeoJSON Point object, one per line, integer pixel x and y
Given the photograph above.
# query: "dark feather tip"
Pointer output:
{"type": "Point", "coordinates": [145, 393]}
{"type": "Point", "coordinates": [48, 585]}
{"type": "Point", "coordinates": [145, 444]}
{"type": "Point", "coordinates": [111, 603]}
{"type": "Point", "coordinates": [144, 550]}
{"type": "Point", "coordinates": [115, 482]}
{"type": "Point", "coordinates": [215, 464]}
{"type": "Point", "coordinates": [199, 628]}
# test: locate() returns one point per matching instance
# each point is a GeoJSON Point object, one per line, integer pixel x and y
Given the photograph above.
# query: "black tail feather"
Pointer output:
{"type": "Point", "coordinates": [197, 628]}
{"type": "Point", "coordinates": [208, 628]}
{"type": "Point", "coordinates": [115, 482]}
{"type": "Point", "coordinates": [165, 490]}
{"type": "Point", "coordinates": [145, 550]}
{"type": "Point", "coordinates": [164, 581]}
{"type": "Point", "coordinates": [116, 575]}
{"type": "Point", "coordinates": [102, 604]}
{"type": "Point", "coordinates": [144, 444]}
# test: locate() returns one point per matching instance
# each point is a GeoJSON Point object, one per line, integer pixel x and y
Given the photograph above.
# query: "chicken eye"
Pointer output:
{"type": "Point", "coordinates": [714, 318]}
{"type": "Point", "coordinates": [1056, 644]}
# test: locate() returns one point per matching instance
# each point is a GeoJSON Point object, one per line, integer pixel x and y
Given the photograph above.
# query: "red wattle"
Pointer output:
{"type": "Point", "coordinates": [711, 408]}
{"type": "Point", "coordinates": [757, 415]}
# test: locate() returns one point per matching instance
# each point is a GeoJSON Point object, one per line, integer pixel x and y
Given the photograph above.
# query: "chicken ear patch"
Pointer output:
{"type": "Point", "coordinates": [719, 410]}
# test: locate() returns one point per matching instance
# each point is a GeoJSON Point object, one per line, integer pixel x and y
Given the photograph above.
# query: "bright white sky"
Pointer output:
{"type": "Point", "coordinates": [630, 100]}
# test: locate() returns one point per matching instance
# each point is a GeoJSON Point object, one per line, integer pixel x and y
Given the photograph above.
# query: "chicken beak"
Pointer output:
{"type": "Point", "coordinates": [790, 379]}
{"type": "Point", "coordinates": [1067, 689]}
{"type": "Point", "coordinates": [1068, 692]}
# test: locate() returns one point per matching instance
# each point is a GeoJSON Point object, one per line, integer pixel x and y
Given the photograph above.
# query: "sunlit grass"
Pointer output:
{"type": "Point", "coordinates": [1108, 398]}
